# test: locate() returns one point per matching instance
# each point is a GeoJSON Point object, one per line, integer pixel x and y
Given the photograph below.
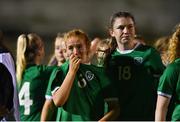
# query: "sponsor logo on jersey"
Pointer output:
{"type": "Point", "coordinates": [138, 60]}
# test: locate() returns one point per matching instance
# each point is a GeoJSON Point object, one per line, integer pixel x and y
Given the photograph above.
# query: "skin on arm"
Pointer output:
{"type": "Point", "coordinates": [161, 108]}
{"type": "Point", "coordinates": [48, 110]}
{"type": "Point", "coordinates": [113, 113]}
{"type": "Point", "coordinates": [61, 95]}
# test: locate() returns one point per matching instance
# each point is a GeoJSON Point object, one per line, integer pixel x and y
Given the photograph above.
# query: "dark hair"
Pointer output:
{"type": "Point", "coordinates": [120, 14]}
{"type": "Point", "coordinates": [113, 41]}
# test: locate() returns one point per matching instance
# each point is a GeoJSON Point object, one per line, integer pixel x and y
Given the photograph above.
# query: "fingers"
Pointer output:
{"type": "Point", "coordinates": [74, 62]}
{"type": "Point", "coordinates": [78, 61]}
{"type": "Point", "coordinates": [73, 57]}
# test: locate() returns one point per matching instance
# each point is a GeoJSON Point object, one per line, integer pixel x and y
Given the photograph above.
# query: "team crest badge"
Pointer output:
{"type": "Point", "coordinates": [89, 75]}
{"type": "Point", "coordinates": [138, 60]}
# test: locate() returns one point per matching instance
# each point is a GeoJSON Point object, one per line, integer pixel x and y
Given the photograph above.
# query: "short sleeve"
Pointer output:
{"type": "Point", "coordinates": [55, 80]}
{"type": "Point", "coordinates": [168, 81]}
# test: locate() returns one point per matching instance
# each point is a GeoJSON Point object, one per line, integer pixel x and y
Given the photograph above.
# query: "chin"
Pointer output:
{"type": "Point", "coordinates": [124, 41]}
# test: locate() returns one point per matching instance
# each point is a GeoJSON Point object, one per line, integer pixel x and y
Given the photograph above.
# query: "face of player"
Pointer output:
{"type": "Point", "coordinates": [102, 52]}
{"type": "Point", "coordinates": [60, 50]}
{"type": "Point", "coordinates": [123, 30]}
{"type": "Point", "coordinates": [77, 46]}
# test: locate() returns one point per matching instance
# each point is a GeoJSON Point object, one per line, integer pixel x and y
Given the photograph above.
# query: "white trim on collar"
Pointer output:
{"type": "Point", "coordinates": [127, 51]}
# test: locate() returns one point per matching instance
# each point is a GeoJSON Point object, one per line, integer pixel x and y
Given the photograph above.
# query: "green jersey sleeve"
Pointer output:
{"type": "Point", "coordinates": [155, 63]}
{"type": "Point", "coordinates": [48, 94]}
{"type": "Point", "coordinates": [168, 81]}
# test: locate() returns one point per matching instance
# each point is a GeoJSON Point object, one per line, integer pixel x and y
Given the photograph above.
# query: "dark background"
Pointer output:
{"type": "Point", "coordinates": [154, 18]}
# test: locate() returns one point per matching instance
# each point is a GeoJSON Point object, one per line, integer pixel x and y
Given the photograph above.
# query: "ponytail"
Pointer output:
{"type": "Point", "coordinates": [20, 57]}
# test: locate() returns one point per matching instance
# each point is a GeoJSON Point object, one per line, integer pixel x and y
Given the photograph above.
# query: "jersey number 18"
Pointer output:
{"type": "Point", "coordinates": [124, 72]}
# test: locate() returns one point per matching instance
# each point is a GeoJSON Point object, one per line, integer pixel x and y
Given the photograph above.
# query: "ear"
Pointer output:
{"type": "Point", "coordinates": [111, 32]}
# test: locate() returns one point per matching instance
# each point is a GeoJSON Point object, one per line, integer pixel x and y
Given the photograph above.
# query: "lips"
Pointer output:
{"type": "Point", "coordinates": [60, 56]}
{"type": "Point", "coordinates": [125, 37]}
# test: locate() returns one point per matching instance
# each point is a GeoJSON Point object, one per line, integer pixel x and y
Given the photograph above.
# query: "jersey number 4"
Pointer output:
{"type": "Point", "coordinates": [24, 98]}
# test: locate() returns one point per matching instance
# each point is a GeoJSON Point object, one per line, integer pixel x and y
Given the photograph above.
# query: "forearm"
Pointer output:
{"type": "Point", "coordinates": [160, 114]}
{"type": "Point", "coordinates": [111, 115]}
{"type": "Point", "coordinates": [62, 94]}
{"type": "Point", "coordinates": [161, 108]}
{"type": "Point", "coordinates": [48, 110]}
{"type": "Point", "coordinates": [113, 112]}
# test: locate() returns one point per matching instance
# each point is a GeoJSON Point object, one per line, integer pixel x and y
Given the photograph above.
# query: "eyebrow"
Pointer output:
{"type": "Point", "coordinates": [124, 25]}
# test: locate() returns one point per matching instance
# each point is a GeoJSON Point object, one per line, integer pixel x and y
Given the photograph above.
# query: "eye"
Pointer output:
{"type": "Point", "coordinates": [63, 50]}
{"type": "Point", "coordinates": [70, 48]}
{"type": "Point", "coordinates": [130, 26]}
{"type": "Point", "coordinates": [78, 47]}
{"type": "Point", "coordinates": [57, 47]}
{"type": "Point", "coordinates": [121, 27]}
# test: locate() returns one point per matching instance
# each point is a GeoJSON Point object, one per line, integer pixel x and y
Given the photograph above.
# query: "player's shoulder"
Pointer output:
{"type": "Point", "coordinates": [96, 67]}
{"type": "Point", "coordinates": [174, 65]}
{"type": "Point", "coordinates": [91, 67]}
{"type": "Point", "coordinates": [172, 69]}
{"type": "Point", "coordinates": [61, 69]}
{"type": "Point", "coordinates": [145, 47]}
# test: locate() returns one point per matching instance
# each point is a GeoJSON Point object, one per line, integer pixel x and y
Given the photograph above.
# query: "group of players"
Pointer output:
{"type": "Point", "coordinates": [128, 80]}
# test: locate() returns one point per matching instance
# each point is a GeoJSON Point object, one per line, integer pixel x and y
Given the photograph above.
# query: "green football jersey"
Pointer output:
{"type": "Point", "coordinates": [86, 100]}
{"type": "Point", "coordinates": [169, 86]}
{"type": "Point", "coordinates": [135, 76]}
{"type": "Point", "coordinates": [48, 94]}
{"type": "Point", "coordinates": [32, 91]}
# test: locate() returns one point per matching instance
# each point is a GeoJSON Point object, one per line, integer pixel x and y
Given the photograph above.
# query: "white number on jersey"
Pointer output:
{"type": "Point", "coordinates": [24, 98]}
{"type": "Point", "coordinates": [124, 73]}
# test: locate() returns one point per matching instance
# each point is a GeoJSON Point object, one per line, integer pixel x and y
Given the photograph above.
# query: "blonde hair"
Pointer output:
{"type": "Point", "coordinates": [27, 49]}
{"type": "Point", "coordinates": [174, 45]}
{"type": "Point", "coordinates": [162, 43]}
{"type": "Point", "coordinates": [80, 34]}
{"type": "Point", "coordinates": [104, 43]}
{"type": "Point", "coordinates": [53, 61]}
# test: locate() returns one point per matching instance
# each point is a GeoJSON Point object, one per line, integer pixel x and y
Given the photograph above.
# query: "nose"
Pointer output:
{"type": "Point", "coordinates": [76, 51]}
{"type": "Point", "coordinates": [61, 51]}
{"type": "Point", "coordinates": [126, 29]}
